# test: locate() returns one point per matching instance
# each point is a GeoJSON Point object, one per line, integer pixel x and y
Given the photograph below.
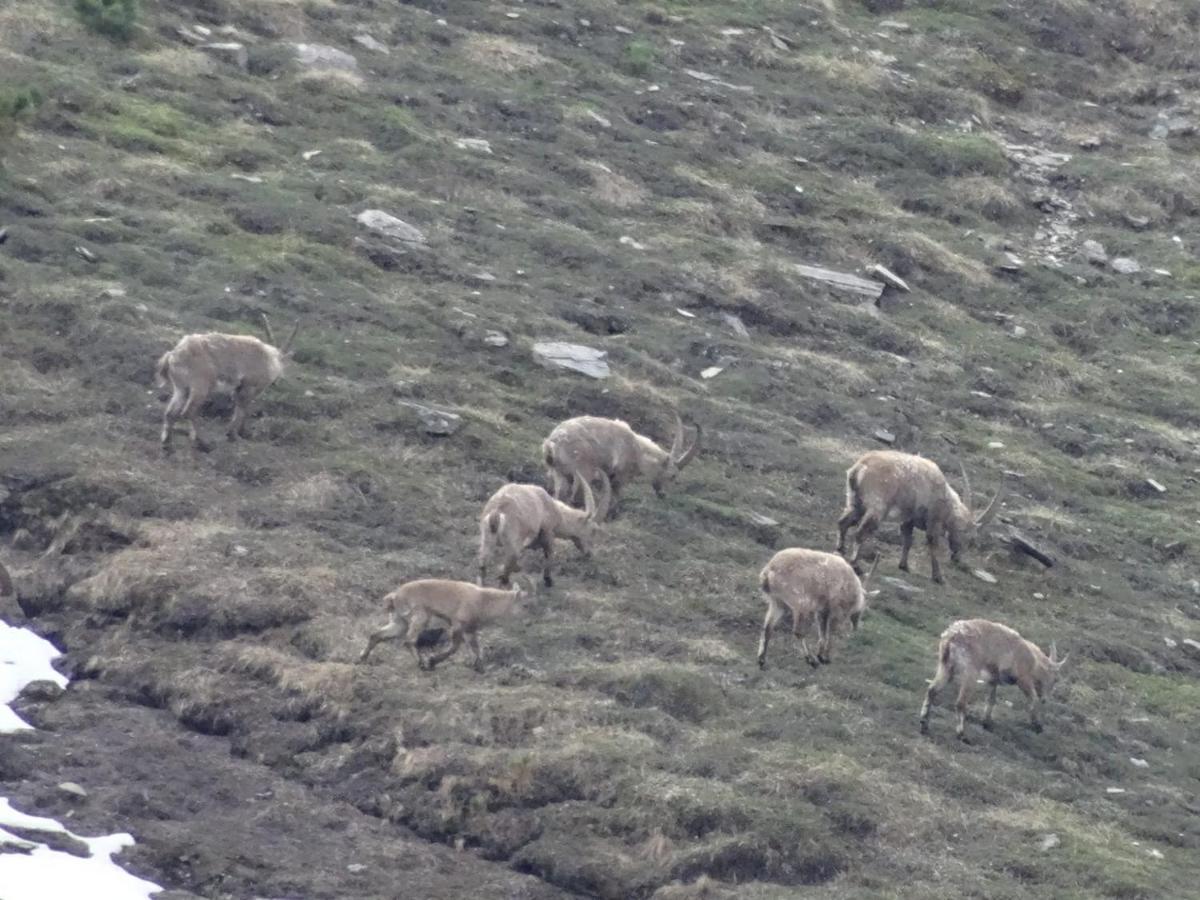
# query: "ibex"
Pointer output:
{"type": "Point", "coordinates": [465, 607]}
{"type": "Point", "coordinates": [199, 363]}
{"type": "Point", "coordinates": [811, 584]}
{"type": "Point", "coordinates": [971, 648]}
{"type": "Point", "coordinates": [589, 448]}
{"type": "Point", "coordinates": [519, 516]}
{"type": "Point", "coordinates": [886, 480]}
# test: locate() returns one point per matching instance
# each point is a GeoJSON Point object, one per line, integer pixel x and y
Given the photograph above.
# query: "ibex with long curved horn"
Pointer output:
{"type": "Point", "coordinates": [885, 480]}
{"type": "Point", "coordinates": [519, 516]}
{"type": "Point", "coordinates": [589, 448]}
{"type": "Point", "coordinates": [200, 363]}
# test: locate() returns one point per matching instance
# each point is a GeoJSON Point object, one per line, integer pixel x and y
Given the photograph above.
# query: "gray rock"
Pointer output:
{"type": "Point", "coordinates": [1049, 842]}
{"type": "Point", "coordinates": [87, 254]}
{"type": "Point", "coordinates": [1094, 252]}
{"type": "Point", "coordinates": [436, 422]}
{"type": "Point", "coordinates": [901, 585]}
{"type": "Point", "coordinates": [1137, 223]}
{"type": "Point", "coordinates": [41, 691]}
{"type": "Point", "coordinates": [737, 325]}
{"type": "Point", "coordinates": [888, 277]}
{"type": "Point", "coordinates": [74, 790]}
{"type": "Point", "coordinates": [1123, 265]}
{"type": "Point", "coordinates": [477, 145]}
{"type": "Point", "coordinates": [576, 357]}
{"type": "Point", "coordinates": [322, 56]}
{"type": "Point", "coordinates": [389, 226]}
{"type": "Point", "coordinates": [365, 40]}
{"type": "Point", "coordinates": [229, 51]}
{"type": "Point", "coordinates": [985, 577]}
{"type": "Point", "coordinates": [884, 436]}
{"type": "Point", "coordinates": [1172, 126]}
{"type": "Point", "coordinates": [1191, 645]}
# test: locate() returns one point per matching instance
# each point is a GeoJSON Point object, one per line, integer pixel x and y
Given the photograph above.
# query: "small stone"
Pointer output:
{"type": "Point", "coordinates": [190, 36]}
{"type": "Point", "coordinates": [477, 145]}
{"type": "Point", "coordinates": [1019, 331]}
{"type": "Point", "coordinates": [1139, 763]}
{"type": "Point", "coordinates": [888, 277]}
{"type": "Point", "coordinates": [621, 29]}
{"type": "Point", "coordinates": [389, 226]}
{"type": "Point", "coordinates": [355, 868]}
{"type": "Point", "coordinates": [712, 372]}
{"type": "Point", "coordinates": [436, 422]}
{"type": "Point", "coordinates": [229, 51]}
{"type": "Point", "coordinates": [41, 691]}
{"type": "Point", "coordinates": [87, 254]}
{"type": "Point", "coordinates": [309, 154]}
{"type": "Point", "coordinates": [901, 585]}
{"type": "Point", "coordinates": [1094, 252]}
{"type": "Point", "coordinates": [1049, 842]}
{"type": "Point", "coordinates": [735, 324]}
{"type": "Point", "coordinates": [3, 235]}
{"type": "Point", "coordinates": [1191, 645]}
{"type": "Point", "coordinates": [365, 40]}
{"type": "Point", "coordinates": [884, 436]}
{"type": "Point", "coordinates": [1114, 790]}
{"type": "Point", "coordinates": [239, 551]}
{"type": "Point", "coordinates": [984, 576]}
{"type": "Point", "coordinates": [575, 357]}
{"type": "Point", "coordinates": [1138, 223]}
{"type": "Point", "coordinates": [630, 242]}
{"type": "Point", "coordinates": [1091, 142]}
{"type": "Point", "coordinates": [1123, 265]}
{"type": "Point", "coordinates": [253, 179]}
{"type": "Point", "coordinates": [322, 56]}
{"type": "Point", "coordinates": [70, 787]}
{"type": "Point", "coordinates": [995, 445]}
{"type": "Point", "coordinates": [486, 277]}
{"type": "Point", "coordinates": [1171, 643]}
{"type": "Point", "coordinates": [495, 339]}
{"type": "Point", "coordinates": [1155, 853]}
{"type": "Point", "coordinates": [1156, 486]}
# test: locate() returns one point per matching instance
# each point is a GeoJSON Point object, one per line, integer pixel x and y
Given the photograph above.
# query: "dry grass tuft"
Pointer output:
{"type": "Point", "coordinates": [501, 54]}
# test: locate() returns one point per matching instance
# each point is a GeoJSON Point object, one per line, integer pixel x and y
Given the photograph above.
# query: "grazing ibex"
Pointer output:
{"type": "Point", "coordinates": [886, 480]}
{"type": "Point", "coordinates": [971, 648]}
{"type": "Point", "coordinates": [519, 516]}
{"type": "Point", "coordinates": [588, 448]}
{"type": "Point", "coordinates": [6, 585]}
{"type": "Point", "coordinates": [199, 363]}
{"type": "Point", "coordinates": [811, 584]}
{"type": "Point", "coordinates": [465, 607]}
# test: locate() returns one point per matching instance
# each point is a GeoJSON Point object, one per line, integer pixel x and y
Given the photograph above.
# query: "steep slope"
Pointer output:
{"type": "Point", "coordinates": [652, 174]}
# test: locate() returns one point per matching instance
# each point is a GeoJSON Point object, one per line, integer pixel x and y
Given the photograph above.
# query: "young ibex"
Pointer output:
{"type": "Point", "coordinates": [971, 648]}
{"type": "Point", "coordinates": [465, 607]}
{"type": "Point", "coordinates": [588, 448]}
{"type": "Point", "coordinates": [199, 363]}
{"type": "Point", "coordinates": [519, 516]}
{"type": "Point", "coordinates": [886, 480]}
{"type": "Point", "coordinates": [811, 584]}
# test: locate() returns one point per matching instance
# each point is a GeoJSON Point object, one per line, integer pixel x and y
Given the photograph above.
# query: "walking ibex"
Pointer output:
{"type": "Point", "coordinates": [200, 363]}
{"type": "Point", "coordinates": [519, 516]}
{"type": "Point", "coordinates": [465, 607]}
{"type": "Point", "coordinates": [886, 480]}
{"type": "Point", "coordinates": [971, 648]}
{"type": "Point", "coordinates": [589, 448]}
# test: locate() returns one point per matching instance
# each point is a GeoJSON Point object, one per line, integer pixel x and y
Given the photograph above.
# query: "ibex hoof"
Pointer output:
{"type": "Point", "coordinates": [824, 660]}
{"type": "Point", "coordinates": [814, 662]}
{"type": "Point", "coordinates": [963, 738]}
{"type": "Point", "coordinates": [924, 727]}
{"type": "Point", "coordinates": [1037, 728]}
{"type": "Point", "coordinates": [762, 662]}
{"type": "Point", "coordinates": [903, 567]}
{"type": "Point", "coordinates": [986, 724]}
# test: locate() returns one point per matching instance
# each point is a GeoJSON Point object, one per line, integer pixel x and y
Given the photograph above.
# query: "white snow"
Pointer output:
{"type": "Point", "coordinates": [24, 657]}
{"type": "Point", "coordinates": [41, 872]}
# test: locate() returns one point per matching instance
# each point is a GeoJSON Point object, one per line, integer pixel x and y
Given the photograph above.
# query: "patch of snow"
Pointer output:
{"type": "Point", "coordinates": [42, 872]}
{"type": "Point", "coordinates": [24, 657]}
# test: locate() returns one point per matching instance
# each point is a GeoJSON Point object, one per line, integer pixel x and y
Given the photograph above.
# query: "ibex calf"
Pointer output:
{"type": "Point", "coordinates": [811, 584]}
{"type": "Point", "coordinates": [886, 480]}
{"type": "Point", "coordinates": [971, 648]}
{"type": "Point", "coordinates": [588, 448]}
{"type": "Point", "coordinates": [465, 607]}
{"type": "Point", "coordinates": [199, 363]}
{"type": "Point", "coordinates": [519, 516]}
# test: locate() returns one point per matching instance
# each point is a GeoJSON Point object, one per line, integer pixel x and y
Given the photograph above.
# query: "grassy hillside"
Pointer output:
{"type": "Point", "coordinates": [651, 172]}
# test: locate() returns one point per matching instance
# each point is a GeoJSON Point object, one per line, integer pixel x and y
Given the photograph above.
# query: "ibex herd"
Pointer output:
{"type": "Point", "coordinates": [811, 586]}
